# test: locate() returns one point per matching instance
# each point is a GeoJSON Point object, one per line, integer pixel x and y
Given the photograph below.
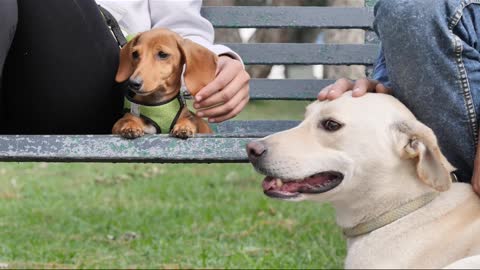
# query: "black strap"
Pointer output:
{"type": "Point", "coordinates": [181, 100]}
{"type": "Point", "coordinates": [114, 27]}
{"type": "Point", "coordinates": [130, 95]}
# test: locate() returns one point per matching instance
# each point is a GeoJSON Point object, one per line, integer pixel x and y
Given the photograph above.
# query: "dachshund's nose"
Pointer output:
{"type": "Point", "coordinates": [255, 150]}
{"type": "Point", "coordinates": [135, 83]}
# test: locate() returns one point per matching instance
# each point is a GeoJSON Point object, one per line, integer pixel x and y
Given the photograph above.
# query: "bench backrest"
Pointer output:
{"type": "Point", "coordinates": [228, 144]}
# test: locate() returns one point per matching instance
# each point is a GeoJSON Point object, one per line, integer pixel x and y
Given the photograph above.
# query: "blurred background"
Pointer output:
{"type": "Point", "coordinates": [176, 216]}
{"type": "Point", "coordinates": [315, 35]}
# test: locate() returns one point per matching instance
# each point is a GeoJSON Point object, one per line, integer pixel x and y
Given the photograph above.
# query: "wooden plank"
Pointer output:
{"type": "Point", "coordinates": [109, 148]}
{"type": "Point", "coordinates": [266, 89]}
{"type": "Point", "coordinates": [226, 147]}
{"type": "Point", "coordinates": [306, 54]}
{"type": "Point", "coordinates": [255, 128]}
{"type": "Point", "coordinates": [291, 17]}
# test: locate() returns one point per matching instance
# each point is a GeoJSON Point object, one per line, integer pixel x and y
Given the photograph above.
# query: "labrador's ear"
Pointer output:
{"type": "Point", "coordinates": [418, 142]}
{"type": "Point", "coordinates": [200, 65]}
{"type": "Point", "coordinates": [125, 67]}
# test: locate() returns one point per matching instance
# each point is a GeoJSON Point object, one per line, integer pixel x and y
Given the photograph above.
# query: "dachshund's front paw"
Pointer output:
{"type": "Point", "coordinates": [128, 128]}
{"type": "Point", "coordinates": [183, 131]}
{"type": "Point", "coordinates": [131, 132]}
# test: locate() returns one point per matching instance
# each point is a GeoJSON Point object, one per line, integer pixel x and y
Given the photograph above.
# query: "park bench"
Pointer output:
{"type": "Point", "coordinates": [228, 143]}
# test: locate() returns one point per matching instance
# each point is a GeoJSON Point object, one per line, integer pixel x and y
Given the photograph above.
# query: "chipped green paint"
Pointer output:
{"type": "Point", "coordinates": [370, 3]}
{"type": "Point", "coordinates": [228, 146]}
{"type": "Point", "coordinates": [109, 148]}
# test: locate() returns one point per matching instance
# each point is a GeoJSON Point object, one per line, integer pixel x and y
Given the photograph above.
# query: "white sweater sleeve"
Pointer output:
{"type": "Point", "coordinates": [183, 17]}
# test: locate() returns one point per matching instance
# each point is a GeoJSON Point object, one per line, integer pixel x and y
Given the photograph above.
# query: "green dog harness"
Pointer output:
{"type": "Point", "coordinates": [162, 116]}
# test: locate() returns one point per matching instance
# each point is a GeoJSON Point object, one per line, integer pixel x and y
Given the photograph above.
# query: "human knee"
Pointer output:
{"type": "Point", "coordinates": [8, 25]}
{"type": "Point", "coordinates": [8, 18]}
{"type": "Point", "coordinates": [405, 15]}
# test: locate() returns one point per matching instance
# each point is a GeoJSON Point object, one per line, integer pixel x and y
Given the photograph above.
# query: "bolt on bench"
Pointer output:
{"type": "Point", "coordinates": [228, 142]}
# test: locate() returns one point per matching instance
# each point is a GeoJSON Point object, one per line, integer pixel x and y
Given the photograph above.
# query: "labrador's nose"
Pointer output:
{"type": "Point", "coordinates": [255, 150]}
{"type": "Point", "coordinates": [135, 83]}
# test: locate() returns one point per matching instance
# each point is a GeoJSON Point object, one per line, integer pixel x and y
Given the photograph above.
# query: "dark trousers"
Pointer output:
{"type": "Point", "coordinates": [58, 70]}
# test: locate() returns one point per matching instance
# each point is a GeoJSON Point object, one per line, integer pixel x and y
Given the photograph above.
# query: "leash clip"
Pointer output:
{"type": "Point", "coordinates": [114, 26]}
{"type": "Point", "coordinates": [454, 177]}
{"type": "Point", "coordinates": [181, 95]}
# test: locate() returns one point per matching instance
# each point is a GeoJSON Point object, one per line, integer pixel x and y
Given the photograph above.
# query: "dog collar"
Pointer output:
{"type": "Point", "coordinates": [162, 115]}
{"type": "Point", "coordinates": [390, 216]}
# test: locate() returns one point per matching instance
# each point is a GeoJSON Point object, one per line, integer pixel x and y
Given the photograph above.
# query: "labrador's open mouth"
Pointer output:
{"type": "Point", "coordinates": [287, 189]}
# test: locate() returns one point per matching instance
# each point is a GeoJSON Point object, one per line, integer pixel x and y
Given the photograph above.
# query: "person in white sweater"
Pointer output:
{"type": "Point", "coordinates": [59, 61]}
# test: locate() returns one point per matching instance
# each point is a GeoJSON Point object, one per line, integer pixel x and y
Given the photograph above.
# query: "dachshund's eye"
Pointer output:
{"type": "Point", "coordinates": [135, 55]}
{"type": "Point", "coordinates": [163, 55]}
{"type": "Point", "coordinates": [331, 125]}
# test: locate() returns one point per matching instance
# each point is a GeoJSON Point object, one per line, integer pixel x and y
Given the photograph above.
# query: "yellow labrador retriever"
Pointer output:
{"type": "Point", "coordinates": [383, 172]}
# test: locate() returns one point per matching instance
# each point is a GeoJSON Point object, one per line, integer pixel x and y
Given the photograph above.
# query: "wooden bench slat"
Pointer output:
{"type": "Point", "coordinates": [291, 17]}
{"type": "Point", "coordinates": [109, 148]}
{"type": "Point", "coordinates": [269, 89]}
{"type": "Point", "coordinates": [253, 128]}
{"type": "Point", "coordinates": [266, 89]}
{"type": "Point", "coordinates": [306, 54]}
{"type": "Point", "coordinates": [228, 145]}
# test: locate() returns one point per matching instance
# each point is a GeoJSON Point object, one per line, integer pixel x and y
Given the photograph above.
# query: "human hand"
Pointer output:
{"type": "Point", "coordinates": [359, 87]}
{"type": "Point", "coordinates": [476, 172]}
{"type": "Point", "coordinates": [227, 95]}
{"type": "Point", "coordinates": [476, 183]}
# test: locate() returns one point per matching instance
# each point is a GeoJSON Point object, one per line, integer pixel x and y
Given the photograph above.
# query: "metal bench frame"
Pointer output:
{"type": "Point", "coordinates": [228, 144]}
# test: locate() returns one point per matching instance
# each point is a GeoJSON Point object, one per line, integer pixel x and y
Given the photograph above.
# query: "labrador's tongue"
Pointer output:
{"type": "Point", "coordinates": [276, 184]}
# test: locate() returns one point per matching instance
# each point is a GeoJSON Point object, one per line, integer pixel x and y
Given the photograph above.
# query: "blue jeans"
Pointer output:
{"type": "Point", "coordinates": [430, 59]}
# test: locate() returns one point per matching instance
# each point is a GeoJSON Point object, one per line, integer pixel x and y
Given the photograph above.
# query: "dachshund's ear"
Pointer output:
{"type": "Point", "coordinates": [201, 65]}
{"type": "Point", "coordinates": [125, 67]}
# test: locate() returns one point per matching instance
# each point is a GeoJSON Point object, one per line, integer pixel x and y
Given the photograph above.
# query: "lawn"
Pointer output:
{"type": "Point", "coordinates": [160, 216]}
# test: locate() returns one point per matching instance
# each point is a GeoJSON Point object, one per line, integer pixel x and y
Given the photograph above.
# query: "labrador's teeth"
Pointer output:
{"type": "Point", "coordinates": [279, 183]}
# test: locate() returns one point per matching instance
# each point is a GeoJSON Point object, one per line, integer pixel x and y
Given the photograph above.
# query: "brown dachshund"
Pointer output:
{"type": "Point", "coordinates": [152, 63]}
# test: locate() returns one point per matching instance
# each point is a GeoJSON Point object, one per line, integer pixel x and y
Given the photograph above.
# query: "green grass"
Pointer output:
{"type": "Point", "coordinates": [159, 216]}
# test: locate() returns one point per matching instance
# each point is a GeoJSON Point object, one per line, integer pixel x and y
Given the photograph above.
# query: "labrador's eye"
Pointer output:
{"type": "Point", "coordinates": [135, 55]}
{"type": "Point", "coordinates": [163, 55]}
{"type": "Point", "coordinates": [331, 125]}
